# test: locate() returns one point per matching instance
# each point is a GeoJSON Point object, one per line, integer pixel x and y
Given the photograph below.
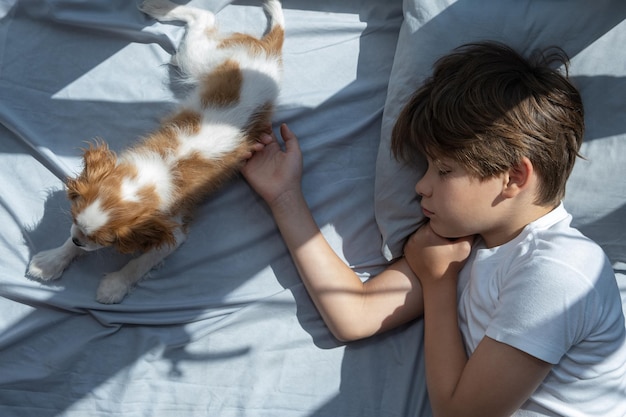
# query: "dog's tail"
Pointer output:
{"type": "Point", "coordinates": [274, 11]}
{"type": "Point", "coordinates": [275, 37]}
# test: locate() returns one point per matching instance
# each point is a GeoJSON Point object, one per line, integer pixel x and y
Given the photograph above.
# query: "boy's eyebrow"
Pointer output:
{"type": "Point", "coordinates": [440, 161]}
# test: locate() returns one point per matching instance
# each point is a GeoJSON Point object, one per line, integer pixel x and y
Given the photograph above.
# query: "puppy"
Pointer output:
{"type": "Point", "coordinates": [140, 200]}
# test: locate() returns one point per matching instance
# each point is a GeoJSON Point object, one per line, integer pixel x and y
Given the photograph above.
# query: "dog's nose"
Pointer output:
{"type": "Point", "coordinates": [77, 242]}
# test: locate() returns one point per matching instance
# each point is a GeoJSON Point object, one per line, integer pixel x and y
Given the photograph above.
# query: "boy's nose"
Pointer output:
{"type": "Point", "coordinates": [420, 188]}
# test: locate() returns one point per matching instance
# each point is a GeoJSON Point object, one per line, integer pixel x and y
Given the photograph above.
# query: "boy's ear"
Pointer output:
{"type": "Point", "coordinates": [518, 178]}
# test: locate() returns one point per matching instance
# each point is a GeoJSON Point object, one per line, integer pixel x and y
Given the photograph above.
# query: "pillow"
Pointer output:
{"type": "Point", "coordinates": [432, 28]}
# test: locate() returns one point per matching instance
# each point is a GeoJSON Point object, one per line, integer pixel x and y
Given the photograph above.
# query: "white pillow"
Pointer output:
{"type": "Point", "coordinates": [432, 28]}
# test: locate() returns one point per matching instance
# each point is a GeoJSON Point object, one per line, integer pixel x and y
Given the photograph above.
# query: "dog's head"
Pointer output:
{"type": "Point", "coordinates": [111, 208]}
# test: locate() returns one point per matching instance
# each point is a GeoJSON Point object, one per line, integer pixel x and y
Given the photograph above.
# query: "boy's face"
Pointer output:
{"type": "Point", "coordinates": [459, 204]}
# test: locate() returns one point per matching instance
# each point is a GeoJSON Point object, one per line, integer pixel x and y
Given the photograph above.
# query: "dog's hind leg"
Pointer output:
{"type": "Point", "coordinates": [201, 37]}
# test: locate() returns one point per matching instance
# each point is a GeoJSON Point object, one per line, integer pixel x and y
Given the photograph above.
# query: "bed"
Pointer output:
{"type": "Point", "coordinates": [225, 327]}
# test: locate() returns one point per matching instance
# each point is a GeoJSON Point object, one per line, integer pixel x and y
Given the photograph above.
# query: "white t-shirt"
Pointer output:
{"type": "Point", "coordinates": [552, 293]}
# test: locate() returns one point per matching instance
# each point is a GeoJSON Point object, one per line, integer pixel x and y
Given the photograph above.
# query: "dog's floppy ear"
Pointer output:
{"type": "Point", "coordinates": [73, 188]}
{"type": "Point", "coordinates": [151, 233]}
{"type": "Point", "coordinates": [98, 160]}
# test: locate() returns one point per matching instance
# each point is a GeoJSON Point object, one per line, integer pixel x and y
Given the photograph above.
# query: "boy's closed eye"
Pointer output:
{"type": "Point", "coordinates": [443, 168]}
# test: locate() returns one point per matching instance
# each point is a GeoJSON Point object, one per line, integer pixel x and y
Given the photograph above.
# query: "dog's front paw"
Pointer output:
{"type": "Point", "coordinates": [48, 265]}
{"type": "Point", "coordinates": [113, 288]}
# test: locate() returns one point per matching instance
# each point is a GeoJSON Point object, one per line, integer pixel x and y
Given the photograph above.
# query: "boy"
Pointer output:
{"type": "Point", "coordinates": [521, 311]}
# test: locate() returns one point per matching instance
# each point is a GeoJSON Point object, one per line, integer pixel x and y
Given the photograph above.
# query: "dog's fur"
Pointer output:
{"type": "Point", "coordinates": [139, 201]}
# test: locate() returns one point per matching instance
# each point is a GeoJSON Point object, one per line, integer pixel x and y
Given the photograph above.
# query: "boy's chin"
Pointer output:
{"type": "Point", "coordinates": [446, 234]}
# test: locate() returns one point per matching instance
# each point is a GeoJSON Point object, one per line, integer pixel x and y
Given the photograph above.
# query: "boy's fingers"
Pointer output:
{"type": "Point", "coordinates": [469, 239]}
{"type": "Point", "coordinates": [258, 146]}
{"type": "Point", "coordinates": [265, 139]}
{"type": "Point", "coordinates": [291, 141]}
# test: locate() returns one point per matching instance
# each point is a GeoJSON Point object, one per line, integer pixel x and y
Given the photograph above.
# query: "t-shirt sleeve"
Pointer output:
{"type": "Point", "coordinates": [544, 308]}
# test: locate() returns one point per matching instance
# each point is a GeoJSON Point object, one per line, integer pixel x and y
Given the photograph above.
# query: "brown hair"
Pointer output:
{"type": "Point", "coordinates": [486, 107]}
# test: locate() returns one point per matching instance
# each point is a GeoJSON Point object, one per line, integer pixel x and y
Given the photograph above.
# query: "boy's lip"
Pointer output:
{"type": "Point", "coordinates": [427, 212]}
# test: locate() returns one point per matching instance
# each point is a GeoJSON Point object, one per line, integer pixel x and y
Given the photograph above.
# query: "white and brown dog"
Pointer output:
{"type": "Point", "coordinates": [139, 201]}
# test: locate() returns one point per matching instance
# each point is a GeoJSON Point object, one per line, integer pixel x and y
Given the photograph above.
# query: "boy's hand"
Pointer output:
{"type": "Point", "coordinates": [432, 257]}
{"type": "Point", "coordinates": [273, 172]}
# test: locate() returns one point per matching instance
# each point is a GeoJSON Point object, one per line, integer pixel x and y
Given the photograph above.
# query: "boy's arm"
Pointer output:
{"type": "Point", "coordinates": [351, 309]}
{"type": "Point", "coordinates": [497, 379]}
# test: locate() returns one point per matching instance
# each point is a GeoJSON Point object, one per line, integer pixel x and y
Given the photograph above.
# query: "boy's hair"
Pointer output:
{"type": "Point", "coordinates": [486, 107]}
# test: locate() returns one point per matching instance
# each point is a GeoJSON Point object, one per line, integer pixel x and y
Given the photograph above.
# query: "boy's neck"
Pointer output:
{"type": "Point", "coordinates": [514, 223]}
